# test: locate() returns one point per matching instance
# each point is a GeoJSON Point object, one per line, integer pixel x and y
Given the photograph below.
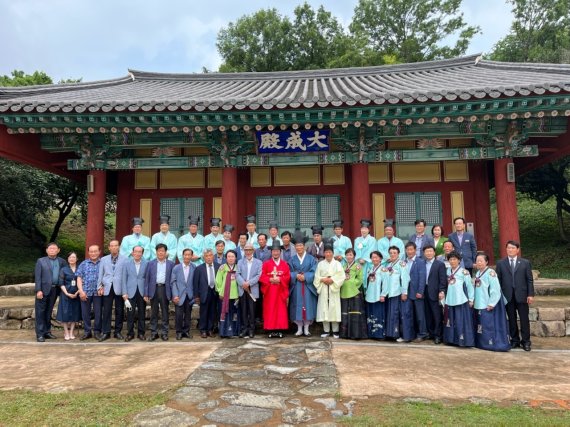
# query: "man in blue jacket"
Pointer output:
{"type": "Point", "coordinates": [182, 288]}
{"type": "Point", "coordinates": [416, 291]}
{"type": "Point", "coordinates": [464, 243]}
{"type": "Point", "coordinates": [132, 286]}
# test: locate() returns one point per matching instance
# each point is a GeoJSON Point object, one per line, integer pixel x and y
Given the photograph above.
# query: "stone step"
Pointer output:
{"type": "Point", "coordinates": [22, 289]}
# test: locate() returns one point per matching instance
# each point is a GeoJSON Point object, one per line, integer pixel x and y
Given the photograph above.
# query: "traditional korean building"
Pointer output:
{"type": "Point", "coordinates": [425, 140]}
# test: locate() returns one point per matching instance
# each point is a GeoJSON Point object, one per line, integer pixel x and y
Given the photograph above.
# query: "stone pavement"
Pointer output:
{"type": "Point", "coordinates": [257, 382]}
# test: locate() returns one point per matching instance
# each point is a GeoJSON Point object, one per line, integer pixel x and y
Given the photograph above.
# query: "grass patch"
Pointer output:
{"type": "Point", "coordinates": [26, 408]}
{"type": "Point", "coordinates": [468, 414]}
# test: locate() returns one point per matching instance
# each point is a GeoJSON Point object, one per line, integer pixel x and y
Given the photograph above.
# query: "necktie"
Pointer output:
{"type": "Point", "coordinates": [512, 264]}
{"type": "Point", "coordinates": [212, 281]}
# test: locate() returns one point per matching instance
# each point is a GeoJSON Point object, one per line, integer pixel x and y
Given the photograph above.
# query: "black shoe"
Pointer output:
{"type": "Point", "coordinates": [187, 335]}
{"type": "Point", "coordinates": [203, 335]}
{"type": "Point", "coordinates": [437, 340]}
{"type": "Point", "coordinates": [279, 335]}
{"type": "Point", "coordinates": [141, 337]}
{"type": "Point", "coordinates": [153, 337]}
{"type": "Point", "coordinates": [97, 335]}
{"type": "Point", "coordinates": [515, 344]}
{"type": "Point", "coordinates": [526, 346]}
{"type": "Point", "coordinates": [251, 335]}
{"type": "Point", "coordinates": [86, 336]}
{"type": "Point", "coordinates": [243, 333]}
{"type": "Point", "coordinates": [420, 339]}
{"type": "Point", "coordinates": [41, 339]}
{"type": "Point", "coordinates": [178, 337]}
{"type": "Point", "coordinates": [164, 338]}
{"type": "Point", "coordinates": [104, 337]}
{"type": "Point", "coordinates": [49, 336]}
{"type": "Point", "coordinates": [130, 338]}
{"type": "Point", "coordinates": [118, 336]}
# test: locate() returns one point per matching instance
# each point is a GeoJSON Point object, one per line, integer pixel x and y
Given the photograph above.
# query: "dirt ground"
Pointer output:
{"type": "Point", "coordinates": [58, 365]}
{"type": "Point", "coordinates": [442, 372]}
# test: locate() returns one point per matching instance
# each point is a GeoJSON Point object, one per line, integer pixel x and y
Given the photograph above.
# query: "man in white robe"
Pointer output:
{"type": "Point", "coordinates": [329, 278]}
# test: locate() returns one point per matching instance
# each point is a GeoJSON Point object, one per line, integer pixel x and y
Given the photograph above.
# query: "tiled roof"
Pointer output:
{"type": "Point", "coordinates": [457, 79]}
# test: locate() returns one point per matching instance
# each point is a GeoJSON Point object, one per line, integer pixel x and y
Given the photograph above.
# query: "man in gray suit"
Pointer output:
{"type": "Point", "coordinates": [109, 286]}
{"type": "Point", "coordinates": [420, 238]}
{"type": "Point", "coordinates": [47, 287]}
{"type": "Point", "coordinates": [132, 286]}
{"type": "Point", "coordinates": [182, 290]}
{"type": "Point", "coordinates": [247, 277]}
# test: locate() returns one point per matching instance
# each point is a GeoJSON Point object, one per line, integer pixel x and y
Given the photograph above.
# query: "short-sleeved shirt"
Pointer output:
{"type": "Point", "coordinates": [89, 273]}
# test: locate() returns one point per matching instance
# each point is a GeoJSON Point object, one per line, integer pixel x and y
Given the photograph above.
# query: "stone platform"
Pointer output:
{"type": "Point", "coordinates": [549, 315]}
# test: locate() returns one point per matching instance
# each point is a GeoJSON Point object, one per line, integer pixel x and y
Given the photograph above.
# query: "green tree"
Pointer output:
{"type": "Point", "coordinates": [551, 180]}
{"type": "Point", "coordinates": [410, 30]}
{"type": "Point", "coordinates": [258, 42]}
{"type": "Point", "coordinates": [268, 41]}
{"type": "Point", "coordinates": [540, 32]}
{"type": "Point", "coordinates": [18, 78]}
{"type": "Point", "coordinates": [27, 194]}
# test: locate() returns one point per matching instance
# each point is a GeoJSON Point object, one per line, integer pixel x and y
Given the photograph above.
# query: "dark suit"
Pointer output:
{"type": "Point", "coordinates": [417, 286]}
{"type": "Point", "coordinates": [424, 241]}
{"type": "Point", "coordinates": [517, 286]}
{"type": "Point", "coordinates": [436, 282]}
{"type": "Point", "coordinates": [467, 249]}
{"type": "Point", "coordinates": [159, 295]}
{"type": "Point", "coordinates": [44, 282]}
{"type": "Point", "coordinates": [208, 298]}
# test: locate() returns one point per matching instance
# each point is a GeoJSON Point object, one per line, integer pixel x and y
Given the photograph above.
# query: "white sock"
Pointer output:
{"type": "Point", "coordinates": [306, 327]}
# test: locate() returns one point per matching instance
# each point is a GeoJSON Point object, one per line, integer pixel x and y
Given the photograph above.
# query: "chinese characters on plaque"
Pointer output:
{"type": "Point", "coordinates": [293, 141]}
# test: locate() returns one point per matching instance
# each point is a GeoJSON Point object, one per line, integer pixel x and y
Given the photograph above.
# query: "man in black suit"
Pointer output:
{"type": "Point", "coordinates": [436, 286]}
{"type": "Point", "coordinates": [205, 293]}
{"type": "Point", "coordinates": [47, 289]}
{"type": "Point", "coordinates": [517, 284]}
{"type": "Point", "coordinates": [157, 291]}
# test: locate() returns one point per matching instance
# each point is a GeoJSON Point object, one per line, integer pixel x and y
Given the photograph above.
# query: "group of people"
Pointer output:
{"type": "Point", "coordinates": [431, 287]}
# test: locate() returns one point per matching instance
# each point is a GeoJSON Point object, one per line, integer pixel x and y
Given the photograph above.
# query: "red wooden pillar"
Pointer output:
{"type": "Point", "coordinates": [125, 186]}
{"type": "Point", "coordinates": [96, 210]}
{"type": "Point", "coordinates": [483, 227]}
{"type": "Point", "coordinates": [506, 206]}
{"type": "Point", "coordinates": [229, 197]}
{"type": "Point", "coordinates": [360, 196]}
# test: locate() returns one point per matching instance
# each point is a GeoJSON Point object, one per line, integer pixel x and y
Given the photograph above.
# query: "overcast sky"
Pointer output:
{"type": "Point", "coordinates": [102, 39]}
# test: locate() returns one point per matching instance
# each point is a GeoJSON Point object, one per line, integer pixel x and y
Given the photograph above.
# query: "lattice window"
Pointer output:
{"type": "Point", "coordinates": [179, 210]}
{"type": "Point", "coordinates": [301, 212]}
{"type": "Point", "coordinates": [286, 212]}
{"type": "Point", "coordinates": [412, 206]}
{"type": "Point", "coordinates": [430, 207]}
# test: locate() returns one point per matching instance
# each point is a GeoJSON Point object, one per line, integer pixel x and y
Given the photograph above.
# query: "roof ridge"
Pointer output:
{"type": "Point", "coordinates": [11, 91]}
{"type": "Point", "coordinates": [323, 73]}
{"type": "Point", "coordinates": [525, 66]}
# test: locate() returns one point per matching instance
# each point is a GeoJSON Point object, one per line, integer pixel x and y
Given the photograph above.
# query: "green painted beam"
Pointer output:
{"type": "Point", "coordinates": [473, 153]}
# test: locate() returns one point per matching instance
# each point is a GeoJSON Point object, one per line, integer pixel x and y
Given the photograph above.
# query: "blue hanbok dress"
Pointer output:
{"type": "Point", "coordinates": [491, 328]}
{"type": "Point", "coordinates": [399, 314]}
{"type": "Point", "coordinates": [458, 318]}
{"type": "Point", "coordinates": [375, 309]}
{"type": "Point", "coordinates": [303, 296]}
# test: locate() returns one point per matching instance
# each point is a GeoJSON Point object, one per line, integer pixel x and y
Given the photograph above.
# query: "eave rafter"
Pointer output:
{"type": "Point", "coordinates": [143, 122]}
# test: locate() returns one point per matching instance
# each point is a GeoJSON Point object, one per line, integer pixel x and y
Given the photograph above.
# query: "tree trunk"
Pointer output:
{"type": "Point", "coordinates": [64, 212]}
{"type": "Point", "coordinates": [560, 218]}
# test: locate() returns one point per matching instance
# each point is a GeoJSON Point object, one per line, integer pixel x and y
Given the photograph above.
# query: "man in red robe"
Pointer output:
{"type": "Point", "coordinates": [275, 277]}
